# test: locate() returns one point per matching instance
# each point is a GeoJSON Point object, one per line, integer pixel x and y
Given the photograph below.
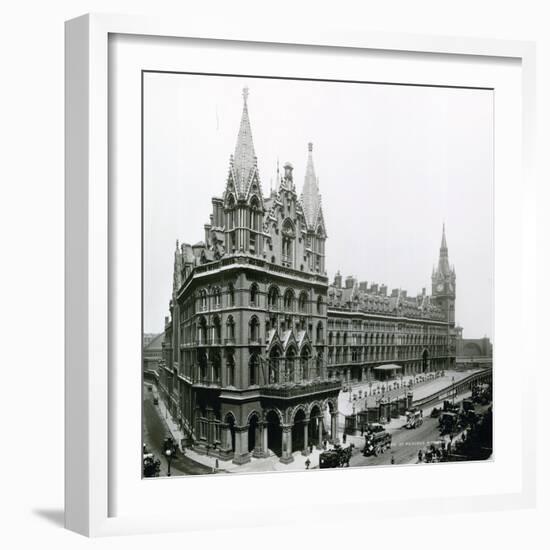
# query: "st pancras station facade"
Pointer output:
{"type": "Point", "coordinates": [258, 344]}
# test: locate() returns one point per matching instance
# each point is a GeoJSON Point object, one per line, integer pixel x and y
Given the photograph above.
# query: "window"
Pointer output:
{"type": "Point", "coordinates": [217, 298]}
{"type": "Point", "coordinates": [273, 298]}
{"type": "Point", "coordinates": [289, 300]}
{"type": "Point", "coordinates": [254, 330]}
{"type": "Point", "coordinates": [230, 329]}
{"type": "Point", "coordinates": [320, 304]}
{"type": "Point", "coordinates": [230, 295]}
{"type": "Point", "coordinates": [203, 300]}
{"type": "Point", "coordinates": [230, 369]}
{"type": "Point", "coordinates": [254, 295]}
{"type": "Point", "coordinates": [253, 370]}
{"type": "Point", "coordinates": [302, 302]}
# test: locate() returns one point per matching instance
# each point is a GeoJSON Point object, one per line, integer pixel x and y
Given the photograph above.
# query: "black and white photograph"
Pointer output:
{"type": "Point", "coordinates": [317, 280]}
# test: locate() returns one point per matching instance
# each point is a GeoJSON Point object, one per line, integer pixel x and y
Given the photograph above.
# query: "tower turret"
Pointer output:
{"type": "Point", "coordinates": [443, 282]}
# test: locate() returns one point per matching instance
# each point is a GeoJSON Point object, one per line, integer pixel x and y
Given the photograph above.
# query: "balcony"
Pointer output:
{"type": "Point", "coordinates": [254, 341]}
{"type": "Point", "coordinates": [229, 341]}
{"type": "Point", "coordinates": [286, 391]}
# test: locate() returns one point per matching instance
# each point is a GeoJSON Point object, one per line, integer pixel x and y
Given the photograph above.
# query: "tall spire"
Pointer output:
{"type": "Point", "coordinates": [443, 240]}
{"type": "Point", "coordinates": [443, 266]}
{"type": "Point", "coordinates": [310, 198]}
{"type": "Point", "coordinates": [244, 159]}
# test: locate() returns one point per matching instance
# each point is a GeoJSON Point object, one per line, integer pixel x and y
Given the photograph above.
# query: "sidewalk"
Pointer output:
{"type": "Point", "coordinates": [422, 389]}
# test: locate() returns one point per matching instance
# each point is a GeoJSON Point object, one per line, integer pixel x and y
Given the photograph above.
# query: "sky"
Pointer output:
{"type": "Point", "coordinates": [394, 163]}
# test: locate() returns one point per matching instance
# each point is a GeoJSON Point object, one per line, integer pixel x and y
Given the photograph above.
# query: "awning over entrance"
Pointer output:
{"type": "Point", "coordinates": [388, 367]}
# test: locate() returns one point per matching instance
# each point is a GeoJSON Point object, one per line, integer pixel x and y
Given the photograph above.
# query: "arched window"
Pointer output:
{"type": "Point", "coordinates": [230, 330]}
{"type": "Point", "coordinates": [254, 295]}
{"type": "Point", "coordinates": [330, 338]}
{"type": "Point", "coordinates": [289, 300]}
{"type": "Point", "coordinates": [274, 357]}
{"type": "Point", "coordinates": [253, 370]}
{"type": "Point", "coordinates": [230, 295]}
{"type": "Point", "coordinates": [319, 333]}
{"type": "Point", "coordinates": [217, 298]}
{"type": "Point", "coordinates": [203, 300]}
{"type": "Point", "coordinates": [203, 331]}
{"type": "Point", "coordinates": [304, 362]}
{"type": "Point", "coordinates": [288, 243]}
{"type": "Point", "coordinates": [254, 330]}
{"type": "Point", "coordinates": [217, 330]}
{"type": "Point", "coordinates": [230, 365]}
{"type": "Point", "coordinates": [273, 298]}
{"type": "Point", "coordinates": [290, 371]}
{"type": "Point", "coordinates": [302, 302]}
{"type": "Point", "coordinates": [254, 222]}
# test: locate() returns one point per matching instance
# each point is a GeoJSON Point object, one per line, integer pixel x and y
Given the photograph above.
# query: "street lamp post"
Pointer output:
{"type": "Point", "coordinates": [169, 455]}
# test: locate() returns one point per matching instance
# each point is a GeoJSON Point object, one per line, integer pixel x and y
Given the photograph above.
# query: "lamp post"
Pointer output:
{"type": "Point", "coordinates": [169, 455]}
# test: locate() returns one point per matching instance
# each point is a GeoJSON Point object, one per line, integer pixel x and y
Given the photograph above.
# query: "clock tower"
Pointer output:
{"type": "Point", "coordinates": [443, 282]}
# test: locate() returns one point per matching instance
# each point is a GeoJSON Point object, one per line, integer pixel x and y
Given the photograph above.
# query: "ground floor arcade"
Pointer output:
{"type": "Point", "coordinates": [267, 429]}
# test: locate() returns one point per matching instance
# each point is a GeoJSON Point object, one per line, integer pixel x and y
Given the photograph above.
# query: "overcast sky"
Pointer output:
{"type": "Point", "coordinates": [394, 163]}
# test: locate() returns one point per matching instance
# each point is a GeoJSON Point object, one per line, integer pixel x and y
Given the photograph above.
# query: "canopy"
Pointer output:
{"type": "Point", "coordinates": [388, 367]}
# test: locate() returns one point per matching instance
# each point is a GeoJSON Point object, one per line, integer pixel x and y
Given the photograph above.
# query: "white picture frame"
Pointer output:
{"type": "Point", "coordinates": [89, 459]}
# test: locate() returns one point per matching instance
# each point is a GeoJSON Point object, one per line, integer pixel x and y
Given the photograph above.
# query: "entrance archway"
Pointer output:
{"type": "Point", "coordinates": [298, 443]}
{"type": "Point", "coordinates": [315, 426]}
{"type": "Point", "coordinates": [274, 432]}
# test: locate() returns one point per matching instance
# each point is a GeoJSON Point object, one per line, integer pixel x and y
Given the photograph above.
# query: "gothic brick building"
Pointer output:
{"type": "Point", "coordinates": [257, 343]}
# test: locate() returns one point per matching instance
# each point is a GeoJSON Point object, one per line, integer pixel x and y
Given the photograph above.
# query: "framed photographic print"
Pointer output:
{"type": "Point", "coordinates": [288, 267]}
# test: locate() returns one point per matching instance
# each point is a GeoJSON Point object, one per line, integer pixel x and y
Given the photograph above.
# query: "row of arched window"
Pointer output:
{"type": "Point", "coordinates": [289, 300]}
{"type": "Point", "coordinates": [384, 339]}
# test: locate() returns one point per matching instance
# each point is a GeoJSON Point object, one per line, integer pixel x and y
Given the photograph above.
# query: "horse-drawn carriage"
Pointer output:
{"type": "Point", "coordinates": [335, 458]}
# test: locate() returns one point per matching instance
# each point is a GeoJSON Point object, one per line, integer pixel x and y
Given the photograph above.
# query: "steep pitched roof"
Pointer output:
{"type": "Point", "coordinates": [244, 160]}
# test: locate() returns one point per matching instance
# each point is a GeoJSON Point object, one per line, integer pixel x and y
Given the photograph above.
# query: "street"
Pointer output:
{"type": "Point", "coordinates": [154, 432]}
{"type": "Point", "coordinates": [405, 445]}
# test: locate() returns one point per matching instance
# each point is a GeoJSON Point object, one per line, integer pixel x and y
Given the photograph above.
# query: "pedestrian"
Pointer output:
{"type": "Point", "coordinates": [392, 459]}
{"type": "Point", "coordinates": [217, 464]}
{"type": "Point", "coordinates": [420, 455]}
{"type": "Point", "coordinates": [308, 462]}
{"type": "Point", "coordinates": [324, 444]}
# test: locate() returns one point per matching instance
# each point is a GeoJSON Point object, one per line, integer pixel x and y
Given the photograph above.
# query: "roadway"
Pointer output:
{"type": "Point", "coordinates": [155, 430]}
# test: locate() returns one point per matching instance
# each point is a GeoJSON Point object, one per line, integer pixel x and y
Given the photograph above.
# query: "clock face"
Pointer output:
{"type": "Point", "coordinates": [439, 287]}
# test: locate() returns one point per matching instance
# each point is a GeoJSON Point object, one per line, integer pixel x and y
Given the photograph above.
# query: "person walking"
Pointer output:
{"type": "Point", "coordinates": [392, 459]}
{"type": "Point", "coordinates": [308, 463]}
{"type": "Point", "coordinates": [420, 455]}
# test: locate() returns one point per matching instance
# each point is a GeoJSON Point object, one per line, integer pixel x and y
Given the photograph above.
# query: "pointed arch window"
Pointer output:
{"type": "Point", "coordinates": [254, 333]}
{"type": "Point", "coordinates": [230, 326]}
{"type": "Point", "coordinates": [288, 236]}
{"type": "Point", "coordinates": [273, 298]}
{"type": "Point", "coordinates": [230, 365]}
{"type": "Point", "coordinates": [253, 370]}
{"type": "Point", "coordinates": [230, 295]}
{"type": "Point", "coordinates": [289, 300]}
{"type": "Point", "coordinates": [319, 333]}
{"type": "Point", "coordinates": [254, 295]}
{"type": "Point", "coordinates": [302, 302]}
